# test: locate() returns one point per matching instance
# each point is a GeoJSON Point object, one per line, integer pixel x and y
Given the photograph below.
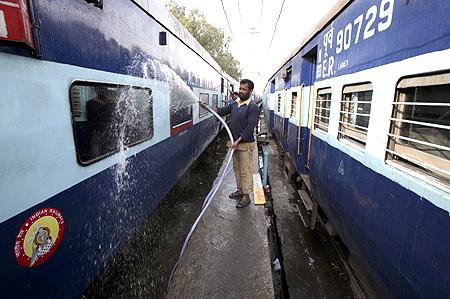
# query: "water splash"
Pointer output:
{"type": "Point", "coordinates": [127, 109]}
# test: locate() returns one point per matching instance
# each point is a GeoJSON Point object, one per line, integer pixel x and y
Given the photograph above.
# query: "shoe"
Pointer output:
{"type": "Point", "coordinates": [236, 195]}
{"type": "Point", "coordinates": [243, 202]}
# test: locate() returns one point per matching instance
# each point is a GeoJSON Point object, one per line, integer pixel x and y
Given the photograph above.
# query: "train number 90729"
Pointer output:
{"type": "Point", "coordinates": [385, 13]}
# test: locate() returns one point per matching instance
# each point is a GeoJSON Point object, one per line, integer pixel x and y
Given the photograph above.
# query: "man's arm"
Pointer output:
{"type": "Point", "coordinates": [221, 111]}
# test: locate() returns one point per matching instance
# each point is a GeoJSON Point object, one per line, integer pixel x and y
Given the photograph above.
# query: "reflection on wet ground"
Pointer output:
{"type": "Point", "coordinates": [142, 268]}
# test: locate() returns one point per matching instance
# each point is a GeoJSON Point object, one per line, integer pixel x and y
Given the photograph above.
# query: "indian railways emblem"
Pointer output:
{"type": "Point", "coordinates": [39, 237]}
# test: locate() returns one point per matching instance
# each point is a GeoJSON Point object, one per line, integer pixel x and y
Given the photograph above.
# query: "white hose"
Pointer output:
{"type": "Point", "coordinates": [211, 193]}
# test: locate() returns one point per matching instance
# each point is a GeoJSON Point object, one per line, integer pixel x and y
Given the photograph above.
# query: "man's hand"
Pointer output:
{"type": "Point", "coordinates": [202, 104]}
{"type": "Point", "coordinates": [236, 143]}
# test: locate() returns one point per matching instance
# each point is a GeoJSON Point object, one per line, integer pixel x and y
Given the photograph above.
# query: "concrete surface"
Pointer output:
{"type": "Point", "coordinates": [228, 255]}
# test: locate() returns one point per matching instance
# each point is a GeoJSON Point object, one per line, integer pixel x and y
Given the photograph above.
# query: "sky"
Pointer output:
{"type": "Point", "coordinates": [252, 25]}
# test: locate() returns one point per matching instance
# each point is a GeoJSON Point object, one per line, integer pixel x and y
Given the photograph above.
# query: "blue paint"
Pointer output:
{"type": "Point", "coordinates": [77, 39]}
{"type": "Point", "coordinates": [285, 130]}
{"type": "Point", "coordinates": [271, 120]}
{"type": "Point", "coordinates": [277, 128]}
{"type": "Point", "coordinates": [94, 220]}
{"type": "Point", "coordinates": [280, 128]}
{"type": "Point", "coordinates": [401, 239]}
{"type": "Point", "coordinates": [113, 39]}
{"type": "Point", "coordinates": [417, 27]}
{"type": "Point", "coordinates": [290, 142]}
{"type": "Point", "coordinates": [299, 159]}
{"type": "Point", "coordinates": [412, 32]}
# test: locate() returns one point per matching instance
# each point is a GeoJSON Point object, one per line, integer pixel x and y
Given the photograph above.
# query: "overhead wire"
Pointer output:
{"type": "Point", "coordinates": [260, 14]}
{"type": "Point", "coordinates": [229, 26]}
{"type": "Point", "coordinates": [275, 29]}
{"type": "Point", "coordinates": [240, 15]}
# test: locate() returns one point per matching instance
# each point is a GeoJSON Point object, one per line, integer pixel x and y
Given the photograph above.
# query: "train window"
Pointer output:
{"type": "Point", "coordinates": [420, 125]}
{"type": "Point", "coordinates": [322, 110]}
{"type": "Point", "coordinates": [107, 116]}
{"type": "Point", "coordinates": [294, 104]}
{"type": "Point", "coordinates": [215, 100]}
{"type": "Point", "coordinates": [180, 116]}
{"type": "Point", "coordinates": [204, 97]}
{"type": "Point", "coordinates": [355, 113]}
{"type": "Point", "coordinates": [279, 103]}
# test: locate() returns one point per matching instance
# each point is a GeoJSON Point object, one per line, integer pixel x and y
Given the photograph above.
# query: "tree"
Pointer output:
{"type": "Point", "coordinates": [211, 38]}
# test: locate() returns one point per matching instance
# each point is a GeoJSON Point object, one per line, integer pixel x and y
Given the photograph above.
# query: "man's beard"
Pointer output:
{"type": "Point", "coordinates": [244, 97]}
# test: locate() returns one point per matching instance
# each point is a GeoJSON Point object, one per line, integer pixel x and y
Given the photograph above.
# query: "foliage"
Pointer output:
{"type": "Point", "coordinates": [210, 37]}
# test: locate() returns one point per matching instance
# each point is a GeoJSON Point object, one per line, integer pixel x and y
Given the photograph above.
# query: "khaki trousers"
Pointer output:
{"type": "Point", "coordinates": [242, 166]}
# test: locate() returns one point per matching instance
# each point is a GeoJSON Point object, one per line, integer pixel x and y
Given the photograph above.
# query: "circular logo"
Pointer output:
{"type": "Point", "coordinates": [39, 237]}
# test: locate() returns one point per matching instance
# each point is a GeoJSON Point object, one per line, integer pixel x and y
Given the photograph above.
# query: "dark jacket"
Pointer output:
{"type": "Point", "coordinates": [243, 119]}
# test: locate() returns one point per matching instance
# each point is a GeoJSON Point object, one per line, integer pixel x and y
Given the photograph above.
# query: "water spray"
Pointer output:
{"type": "Point", "coordinates": [211, 193]}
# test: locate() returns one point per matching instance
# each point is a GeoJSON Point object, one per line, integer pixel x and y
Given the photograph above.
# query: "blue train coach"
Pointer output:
{"type": "Point", "coordinates": [99, 119]}
{"type": "Point", "coordinates": [363, 108]}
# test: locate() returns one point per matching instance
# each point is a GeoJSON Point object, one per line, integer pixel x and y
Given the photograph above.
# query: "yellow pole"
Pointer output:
{"type": "Point", "coordinates": [284, 111]}
{"type": "Point", "coordinates": [300, 118]}
{"type": "Point", "coordinates": [311, 115]}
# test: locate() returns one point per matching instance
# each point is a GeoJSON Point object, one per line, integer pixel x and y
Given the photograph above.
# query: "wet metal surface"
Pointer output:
{"type": "Point", "coordinates": [312, 266]}
{"type": "Point", "coordinates": [142, 268]}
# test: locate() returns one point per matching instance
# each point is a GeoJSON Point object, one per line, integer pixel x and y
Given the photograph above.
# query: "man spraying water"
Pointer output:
{"type": "Point", "coordinates": [244, 117]}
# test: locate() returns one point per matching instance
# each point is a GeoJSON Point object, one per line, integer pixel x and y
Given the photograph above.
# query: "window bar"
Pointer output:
{"type": "Point", "coordinates": [358, 102]}
{"type": "Point", "coordinates": [356, 126]}
{"type": "Point", "coordinates": [319, 125]}
{"type": "Point", "coordinates": [318, 116]}
{"type": "Point", "coordinates": [354, 113]}
{"type": "Point", "coordinates": [421, 142]}
{"type": "Point", "coordinates": [352, 136]}
{"type": "Point", "coordinates": [421, 123]}
{"type": "Point", "coordinates": [323, 108]}
{"type": "Point", "coordinates": [421, 104]}
{"type": "Point", "coordinates": [421, 164]}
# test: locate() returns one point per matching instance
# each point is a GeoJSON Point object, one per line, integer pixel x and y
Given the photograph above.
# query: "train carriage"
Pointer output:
{"type": "Point", "coordinates": [99, 118]}
{"type": "Point", "coordinates": [363, 108]}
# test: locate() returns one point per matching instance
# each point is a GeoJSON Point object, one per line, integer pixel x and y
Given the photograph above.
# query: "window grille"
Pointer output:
{"type": "Point", "coordinates": [355, 113]}
{"type": "Point", "coordinates": [204, 97]}
{"type": "Point", "coordinates": [322, 110]}
{"type": "Point", "coordinates": [279, 103]}
{"type": "Point", "coordinates": [294, 104]}
{"type": "Point", "coordinates": [419, 137]}
{"type": "Point", "coordinates": [77, 107]}
{"type": "Point", "coordinates": [215, 100]}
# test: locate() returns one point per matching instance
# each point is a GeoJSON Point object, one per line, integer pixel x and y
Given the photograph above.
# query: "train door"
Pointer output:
{"type": "Point", "coordinates": [286, 75]}
{"type": "Point", "coordinates": [287, 103]}
{"type": "Point", "coordinates": [272, 105]}
{"type": "Point", "coordinates": [311, 58]}
{"type": "Point", "coordinates": [223, 94]}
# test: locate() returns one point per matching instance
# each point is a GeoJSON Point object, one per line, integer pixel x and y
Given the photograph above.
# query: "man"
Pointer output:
{"type": "Point", "coordinates": [234, 97]}
{"type": "Point", "coordinates": [244, 117]}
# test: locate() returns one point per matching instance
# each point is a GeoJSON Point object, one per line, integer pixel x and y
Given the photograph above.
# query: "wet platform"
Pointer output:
{"type": "Point", "coordinates": [232, 251]}
{"type": "Point", "coordinates": [228, 254]}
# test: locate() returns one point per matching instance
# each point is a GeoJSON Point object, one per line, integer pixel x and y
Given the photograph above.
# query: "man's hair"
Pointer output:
{"type": "Point", "coordinates": [248, 82]}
